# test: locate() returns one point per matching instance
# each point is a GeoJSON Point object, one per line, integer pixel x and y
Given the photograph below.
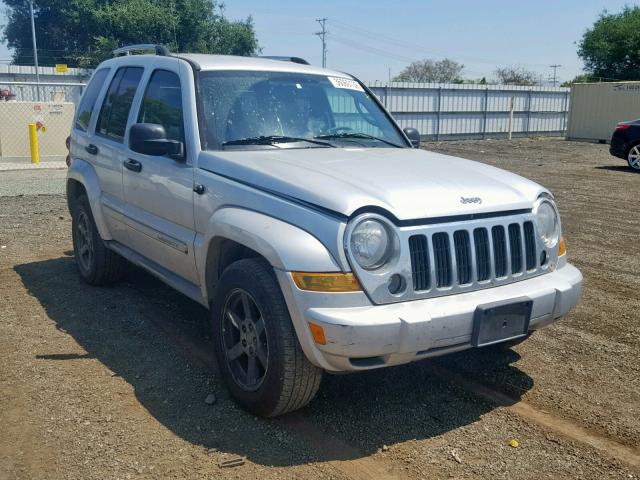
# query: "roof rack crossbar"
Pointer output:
{"type": "Point", "coordinates": [299, 60]}
{"type": "Point", "coordinates": [126, 50]}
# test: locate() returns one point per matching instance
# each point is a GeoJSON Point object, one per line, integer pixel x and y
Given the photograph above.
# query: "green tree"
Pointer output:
{"type": "Point", "coordinates": [611, 48]}
{"type": "Point", "coordinates": [516, 76]}
{"type": "Point", "coordinates": [583, 78]}
{"type": "Point", "coordinates": [440, 71]}
{"type": "Point", "coordinates": [83, 32]}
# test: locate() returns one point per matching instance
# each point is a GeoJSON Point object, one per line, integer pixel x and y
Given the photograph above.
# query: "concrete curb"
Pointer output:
{"type": "Point", "coordinates": [7, 166]}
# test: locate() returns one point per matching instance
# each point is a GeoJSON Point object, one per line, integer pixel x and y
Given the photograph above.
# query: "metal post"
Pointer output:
{"type": "Point", "coordinates": [438, 113]}
{"type": "Point", "coordinates": [511, 116]}
{"type": "Point", "coordinates": [529, 110]}
{"type": "Point", "coordinates": [35, 49]}
{"type": "Point", "coordinates": [33, 143]}
{"type": "Point", "coordinates": [486, 108]}
{"type": "Point", "coordinates": [566, 112]}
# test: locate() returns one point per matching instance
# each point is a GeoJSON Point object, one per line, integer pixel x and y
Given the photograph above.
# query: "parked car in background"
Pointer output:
{"type": "Point", "coordinates": [286, 199]}
{"type": "Point", "coordinates": [625, 143]}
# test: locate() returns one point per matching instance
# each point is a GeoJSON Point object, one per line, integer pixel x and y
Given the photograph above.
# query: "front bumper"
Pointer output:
{"type": "Point", "coordinates": [361, 336]}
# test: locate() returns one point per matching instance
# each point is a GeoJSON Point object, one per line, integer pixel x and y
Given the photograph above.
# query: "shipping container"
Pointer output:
{"type": "Point", "coordinates": [596, 108]}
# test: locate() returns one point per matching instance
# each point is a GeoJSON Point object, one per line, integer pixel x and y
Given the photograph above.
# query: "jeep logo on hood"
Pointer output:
{"type": "Point", "coordinates": [465, 200]}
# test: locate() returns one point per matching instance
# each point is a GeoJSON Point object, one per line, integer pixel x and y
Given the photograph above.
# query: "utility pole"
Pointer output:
{"type": "Point", "coordinates": [35, 49]}
{"type": "Point", "coordinates": [554, 78]}
{"type": "Point", "coordinates": [323, 36]}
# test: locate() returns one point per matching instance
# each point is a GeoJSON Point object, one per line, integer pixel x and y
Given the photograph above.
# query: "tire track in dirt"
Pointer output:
{"type": "Point", "coordinates": [357, 466]}
{"type": "Point", "coordinates": [568, 429]}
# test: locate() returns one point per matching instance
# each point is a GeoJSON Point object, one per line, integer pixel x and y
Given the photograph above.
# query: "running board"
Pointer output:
{"type": "Point", "coordinates": [174, 281]}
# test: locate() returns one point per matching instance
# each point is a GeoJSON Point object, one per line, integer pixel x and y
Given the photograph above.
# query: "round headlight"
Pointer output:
{"type": "Point", "coordinates": [371, 244]}
{"type": "Point", "coordinates": [548, 223]}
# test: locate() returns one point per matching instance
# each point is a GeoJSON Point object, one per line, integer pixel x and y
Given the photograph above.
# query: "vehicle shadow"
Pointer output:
{"type": "Point", "coordinates": [616, 168]}
{"type": "Point", "coordinates": [157, 340]}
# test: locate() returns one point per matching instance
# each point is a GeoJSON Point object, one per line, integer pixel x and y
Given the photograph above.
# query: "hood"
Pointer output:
{"type": "Point", "coordinates": [408, 183]}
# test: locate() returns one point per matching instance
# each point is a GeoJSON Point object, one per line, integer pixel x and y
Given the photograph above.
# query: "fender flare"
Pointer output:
{"type": "Point", "coordinates": [285, 246]}
{"type": "Point", "coordinates": [84, 173]}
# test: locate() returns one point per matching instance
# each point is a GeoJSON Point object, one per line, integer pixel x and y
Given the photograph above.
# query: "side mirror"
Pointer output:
{"type": "Point", "coordinates": [151, 139]}
{"type": "Point", "coordinates": [413, 135]}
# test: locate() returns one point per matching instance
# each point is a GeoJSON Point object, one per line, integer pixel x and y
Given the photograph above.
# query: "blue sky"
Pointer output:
{"type": "Point", "coordinates": [368, 38]}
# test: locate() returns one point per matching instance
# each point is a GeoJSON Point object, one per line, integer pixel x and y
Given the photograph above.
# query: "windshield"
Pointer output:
{"type": "Point", "coordinates": [253, 109]}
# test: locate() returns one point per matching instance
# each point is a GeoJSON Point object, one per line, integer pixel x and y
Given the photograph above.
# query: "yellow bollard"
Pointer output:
{"type": "Point", "coordinates": [33, 143]}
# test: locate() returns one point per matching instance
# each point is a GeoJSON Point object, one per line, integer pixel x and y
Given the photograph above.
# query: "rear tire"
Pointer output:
{"type": "Point", "coordinates": [96, 264]}
{"type": "Point", "coordinates": [256, 346]}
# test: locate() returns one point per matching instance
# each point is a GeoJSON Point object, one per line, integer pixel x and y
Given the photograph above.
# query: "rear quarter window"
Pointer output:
{"type": "Point", "coordinates": [88, 102]}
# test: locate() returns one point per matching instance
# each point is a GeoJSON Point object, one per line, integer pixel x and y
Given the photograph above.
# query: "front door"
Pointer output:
{"type": "Point", "coordinates": [158, 190]}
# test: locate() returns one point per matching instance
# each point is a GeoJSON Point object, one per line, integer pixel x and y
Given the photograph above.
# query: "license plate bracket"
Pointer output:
{"type": "Point", "coordinates": [501, 321]}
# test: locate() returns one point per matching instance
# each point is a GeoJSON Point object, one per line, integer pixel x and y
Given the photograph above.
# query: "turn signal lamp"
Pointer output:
{"type": "Point", "coordinates": [562, 248]}
{"type": "Point", "coordinates": [326, 282]}
{"type": "Point", "coordinates": [318, 334]}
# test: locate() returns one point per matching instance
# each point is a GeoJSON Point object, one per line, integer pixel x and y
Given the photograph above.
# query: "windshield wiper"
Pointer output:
{"type": "Point", "coordinates": [356, 135]}
{"type": "Point", "coordinates": [272, 140]}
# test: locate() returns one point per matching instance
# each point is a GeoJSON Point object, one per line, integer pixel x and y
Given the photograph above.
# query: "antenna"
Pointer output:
{"type": "Point", "coordinates": [323, 34]}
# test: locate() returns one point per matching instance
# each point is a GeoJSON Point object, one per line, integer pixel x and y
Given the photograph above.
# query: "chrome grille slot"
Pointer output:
{"type": "Point", "coordinates": [499, 251]}
{"type": "Point", "coordinates": [530, 245]}
{"type": "Point", "coordinates": [515, 247]}
{"type": "Point", "coordinates": [463, 256]}
{"type": "Point", "coordinates": [419, 249]}
{"type": "Point", "coordinates": [483, 256]}
{"type": "Point", "coordinates": [442, 257]}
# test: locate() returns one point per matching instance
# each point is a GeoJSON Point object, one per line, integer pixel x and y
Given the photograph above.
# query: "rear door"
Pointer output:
{"type": "Point", "coordinates": [158, 190]}
{"type": "Point", "coordinates": [84, 146]}
{"type": "Point", "coordinates": [106, 147]}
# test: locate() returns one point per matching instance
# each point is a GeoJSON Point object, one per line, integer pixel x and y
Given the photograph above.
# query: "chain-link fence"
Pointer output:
{"type": "Point", "coordinates": [49, 107]}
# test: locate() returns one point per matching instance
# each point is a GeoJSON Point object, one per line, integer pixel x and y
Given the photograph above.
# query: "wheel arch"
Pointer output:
{"type": "Point", "coordinates": [235, 233]}
{"type": "Point", "coordinates": [82, 179]}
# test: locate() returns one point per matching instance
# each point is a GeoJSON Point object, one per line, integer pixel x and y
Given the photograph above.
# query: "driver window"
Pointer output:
{"type": "Point", "coordinates": [162, 104]}
{"type": "Point", "coordinates": [349, 115]}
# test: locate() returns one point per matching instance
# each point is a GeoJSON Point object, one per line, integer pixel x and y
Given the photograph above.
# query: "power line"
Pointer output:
{"type": "Point", "coordinates": [323, 36]}
{"type": "Point", "coordinates": [383, 53]}
{"type": "Point", "coordinates": [376, 36]}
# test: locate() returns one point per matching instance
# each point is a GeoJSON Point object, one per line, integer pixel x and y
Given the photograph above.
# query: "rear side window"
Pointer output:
{"type": "Point", "coordinates": [162, 104]}
{"type": "Point", "coordinates": [112, 121]}
{"type": "Point", "coordinates": [88, 102]}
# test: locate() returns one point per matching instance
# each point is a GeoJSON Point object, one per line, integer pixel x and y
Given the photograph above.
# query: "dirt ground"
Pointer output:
{"type": "Point", "coordinates": [109, 383]}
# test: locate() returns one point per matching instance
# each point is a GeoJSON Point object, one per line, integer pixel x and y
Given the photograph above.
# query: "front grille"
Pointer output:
{"type": "Point", "coordinates": [466, 256]}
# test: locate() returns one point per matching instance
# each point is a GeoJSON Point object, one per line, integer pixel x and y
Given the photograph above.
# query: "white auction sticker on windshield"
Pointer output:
{"type": "Point", "coordinates": [348, 83]}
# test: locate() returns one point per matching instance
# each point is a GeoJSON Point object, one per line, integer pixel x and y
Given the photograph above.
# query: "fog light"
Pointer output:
{"type": "Point", "coordinates": [326, 282]}
{"type": "Point", "coordinates": [397, 284]}
{"type": "Point", "coordinates": [543, 257]}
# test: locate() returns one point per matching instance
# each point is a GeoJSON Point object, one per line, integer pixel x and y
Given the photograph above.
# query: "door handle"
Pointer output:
{"type": "Point", "coordinates": [199, 189]}
{"type": "Point", "coordinates": [133, 165]}
{"type": "Point", "coordinates": [92, 149]}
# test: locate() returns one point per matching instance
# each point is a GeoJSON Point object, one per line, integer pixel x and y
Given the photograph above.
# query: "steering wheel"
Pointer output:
{"type": "Point", "coordinates": [338, 129]}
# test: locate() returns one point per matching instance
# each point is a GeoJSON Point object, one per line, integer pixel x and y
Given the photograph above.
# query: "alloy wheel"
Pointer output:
{"type": "Point", "coordinates": [244, 339]}
{"type": "Point", "coordinates": [634, 157]}
{"type": "Point", "coordinates": [84, 239]}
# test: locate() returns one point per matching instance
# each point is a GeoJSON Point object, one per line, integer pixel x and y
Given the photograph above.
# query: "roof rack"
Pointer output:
{"type": "Point", "coordinates": [126, 50]}
{"type": "Point", "coordinates": [299, 60]}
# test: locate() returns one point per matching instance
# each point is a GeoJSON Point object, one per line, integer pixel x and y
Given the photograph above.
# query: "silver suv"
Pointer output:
{"type": "Point", "coordinates": [284, 198]}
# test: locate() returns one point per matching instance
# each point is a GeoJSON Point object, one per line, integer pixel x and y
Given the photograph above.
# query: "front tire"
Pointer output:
{"type": "Point", "coordinates": [96, 264]}
{"type": "Point", "coordinates": [633, 158]}
{"type": "Point", "coordinates": [256, 346]}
